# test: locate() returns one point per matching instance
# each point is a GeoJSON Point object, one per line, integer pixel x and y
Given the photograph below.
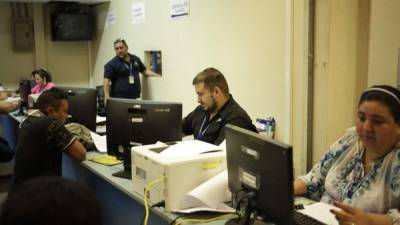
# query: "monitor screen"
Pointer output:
{"type": "Point", "coordinates": [82, 106]}
{"type": "Point", "coordinates": [138, 122]}
{"type": "Point", "coordinates": [71, 26]}
{"type": "Point", "coordinates": [24, 91]}
{"type": "Point", "coordinates": [263, 167]}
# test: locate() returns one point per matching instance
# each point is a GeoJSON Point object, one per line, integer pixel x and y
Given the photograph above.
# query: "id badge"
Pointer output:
{"type": "Point", "coordinates": [131, 80]}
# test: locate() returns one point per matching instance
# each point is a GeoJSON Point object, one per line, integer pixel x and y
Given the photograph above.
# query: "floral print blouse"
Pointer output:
{"type": "Point", "coordinates": [340, 176]}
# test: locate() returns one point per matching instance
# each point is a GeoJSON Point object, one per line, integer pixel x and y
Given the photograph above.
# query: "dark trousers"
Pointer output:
{"type": "Point", "coordinates": [6, 153]}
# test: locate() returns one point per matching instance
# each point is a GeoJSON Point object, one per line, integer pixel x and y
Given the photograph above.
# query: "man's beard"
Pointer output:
{"type": "Point", "coordinates": [213, 106]}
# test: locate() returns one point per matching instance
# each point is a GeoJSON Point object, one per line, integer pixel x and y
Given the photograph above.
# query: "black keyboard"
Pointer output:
{"type": "Point", "coordinates": [302, 219]}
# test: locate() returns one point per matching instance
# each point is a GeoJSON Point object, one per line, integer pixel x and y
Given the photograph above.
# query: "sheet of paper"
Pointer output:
{"type": "Point", "coordinates": [179, 8]}
{"type": "Point", "coordinates": [11, 99]}
{"type": "Point", "coordinates": [188, 148]}
{"type": "Point", "coordinates": [138, 12]}
{"type": "Point", "coordinates": [99, 141]}
{"type": "Point", "coordinates": [209, 196]}
{"type": "Point", "coordinates": [100, 119]}
{"type": "Point", "coordinates": [320, 211]}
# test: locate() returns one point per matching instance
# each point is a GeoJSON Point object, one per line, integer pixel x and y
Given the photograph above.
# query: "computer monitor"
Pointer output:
{"type": "Point", "coordinates": [140, 122]}
{"type": "Point", "coordinates": [137, 122]}
{"type": "Point", "coordinates": [82, 106]}
{"type": "Point", "coordinates": [24, 92]}
{"type": "Point", "coordinates": [261, 170]}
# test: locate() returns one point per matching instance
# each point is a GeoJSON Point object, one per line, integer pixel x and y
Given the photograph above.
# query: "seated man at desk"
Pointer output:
{"type": "Point", "coordinates": [42, 139]}
{"type": "Point", "coordinates": [217, 108]}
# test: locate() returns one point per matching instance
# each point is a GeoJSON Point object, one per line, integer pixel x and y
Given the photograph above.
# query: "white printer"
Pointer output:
{"type": "Point", "coordinates": [183, 166]}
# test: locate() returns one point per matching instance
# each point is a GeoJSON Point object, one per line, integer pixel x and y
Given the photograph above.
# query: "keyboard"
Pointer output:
{"type": "Point", "coordinates": [303, 219]}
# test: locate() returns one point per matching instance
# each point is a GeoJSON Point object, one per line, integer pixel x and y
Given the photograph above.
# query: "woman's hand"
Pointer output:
{"type": "Point", "coordinates": [349, 215]}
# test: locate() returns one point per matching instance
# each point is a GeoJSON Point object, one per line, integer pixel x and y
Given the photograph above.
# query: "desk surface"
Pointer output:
{"type": "Point", "coordinates": [125, 185]}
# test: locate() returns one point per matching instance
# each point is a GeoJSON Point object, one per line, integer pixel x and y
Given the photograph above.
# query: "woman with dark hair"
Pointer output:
{"type": "Point", "coordinates": [360, 173]}
{"type": "Point", "coordinates": [43, 81]}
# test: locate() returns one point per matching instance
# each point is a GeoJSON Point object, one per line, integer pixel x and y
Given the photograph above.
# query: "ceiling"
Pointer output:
{"type": "Point", "coordinates": [44, 1]}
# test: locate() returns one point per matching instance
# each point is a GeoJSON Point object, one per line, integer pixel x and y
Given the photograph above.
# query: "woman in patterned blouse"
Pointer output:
{"type": "Point", "coordinates": [360, 173]}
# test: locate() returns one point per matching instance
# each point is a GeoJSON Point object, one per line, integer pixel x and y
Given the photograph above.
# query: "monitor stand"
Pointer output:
{"type": "Point", "coordinates": [126, 174]}
{"type": "Point", "coordinates": [20, 111]}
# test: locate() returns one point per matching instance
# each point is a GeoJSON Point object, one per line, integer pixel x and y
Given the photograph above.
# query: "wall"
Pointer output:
{"type": "Point", "coordinates": [14, 65]}
{"type": "Point", "coordinates": [384, 42]}
{"type": "Point", "coordinates": [247, 42]}
{"type": "Point", "coordinates": [342, 31]}
{"type": "Point", "coordinates": [68, 62]}
{"type": "Point", "coordinates": [300, 85]}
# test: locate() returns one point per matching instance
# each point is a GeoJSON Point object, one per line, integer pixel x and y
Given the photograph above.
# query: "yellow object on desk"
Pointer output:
{"type": "Point", "coordinates": [107, 160]}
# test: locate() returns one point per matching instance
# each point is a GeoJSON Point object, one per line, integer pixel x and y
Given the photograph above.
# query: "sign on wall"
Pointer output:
{"type": "Point", "coordinates": [179, 8]}
{"type": "Point", "coordinates": [138, 12]}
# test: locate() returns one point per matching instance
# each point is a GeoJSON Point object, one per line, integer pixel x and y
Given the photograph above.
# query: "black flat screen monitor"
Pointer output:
{"type": "Point", "coordinates": [82, 106]}
{"type": "Point", "coordinates": [71, 26]}
{"type": "Point", "coordinates": [24, 92]}
{"type": "Point", "coordinates": [263, 167]}
{"type": "Point", "coordinates": [139, 122]}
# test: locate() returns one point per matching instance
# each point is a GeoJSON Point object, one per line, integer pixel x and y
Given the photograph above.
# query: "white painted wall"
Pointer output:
{"type": "Point", "coordinates": [248, 42]}
{"type": "Point", "coordinates": [384, 42]}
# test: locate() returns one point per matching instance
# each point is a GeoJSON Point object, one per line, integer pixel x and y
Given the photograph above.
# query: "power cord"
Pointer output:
{"type": "Point", "coordinates": [146, 191]}
{"type": "Point", "coordinates": [192, 220]}
{"type": "Point", "coordinates": [158, 204]}
{"type": "Point", "coordinates": [176, 218]}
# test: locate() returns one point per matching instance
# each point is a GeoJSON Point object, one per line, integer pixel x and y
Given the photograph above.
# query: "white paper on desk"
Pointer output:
{"type": "Point", "coordinates": [99, 141]}
{"type": "Point", "coordinates": [100, 119]}
{"type": "Point", "coordinates": [12, 99]}
{"type": "Point", "coordinates": [209, 196]}
{"type": "Point", "coordinates": [321, 212]}
{"type": "Point", "coordinates": [188, 148]}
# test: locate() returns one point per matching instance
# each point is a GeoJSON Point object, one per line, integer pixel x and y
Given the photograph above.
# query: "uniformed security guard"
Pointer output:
{"type": "Point", "coordinates": [121, 73]}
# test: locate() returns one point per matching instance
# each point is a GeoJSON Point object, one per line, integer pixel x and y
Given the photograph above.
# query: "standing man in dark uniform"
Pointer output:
{"type": "Point", "coordinates": [121, 73]}
{"type": "Point", "coordinates": [217, 108]}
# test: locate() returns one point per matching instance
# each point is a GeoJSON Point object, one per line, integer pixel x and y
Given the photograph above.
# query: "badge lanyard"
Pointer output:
{"type": "Point", "coordinates": [201, 131]}
{"type": "Point", "coordinates": [131, 78]}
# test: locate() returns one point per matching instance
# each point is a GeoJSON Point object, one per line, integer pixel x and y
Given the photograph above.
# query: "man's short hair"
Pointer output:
{"type": "Point", "coordinates": [212, 78]}
{"type": "Point", "coordinates": [51, 200]}
{"type": "Point", "coordinates": [118, 40]}
{"type": "Point", "coordinates": [51, 98]}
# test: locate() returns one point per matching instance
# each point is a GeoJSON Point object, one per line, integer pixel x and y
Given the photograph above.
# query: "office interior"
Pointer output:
{"type": "Point", "coordinates": [304, 62]}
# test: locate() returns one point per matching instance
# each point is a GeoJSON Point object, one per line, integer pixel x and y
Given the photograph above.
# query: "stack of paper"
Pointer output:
{"type": "Point", "coordinates": [106, 160]}
{"type": "Point", "coordinates": [321, 212]}
{"type": "Point", "coordinates": [209, 196]}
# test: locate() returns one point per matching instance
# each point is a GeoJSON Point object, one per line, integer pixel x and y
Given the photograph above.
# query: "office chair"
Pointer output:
{"type": "Point", "coordinates": [101, 111]}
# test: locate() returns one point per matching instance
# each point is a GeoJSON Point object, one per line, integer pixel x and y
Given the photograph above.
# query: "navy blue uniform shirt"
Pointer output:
{"type": "Point", "coordinates": [118, 72]}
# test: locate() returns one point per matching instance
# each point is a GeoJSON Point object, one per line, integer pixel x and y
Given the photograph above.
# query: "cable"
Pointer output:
{"type": "Point", "coordinates": [146, 190]}
{"type": "Point", "coordinates": [225, 216]}
{"type": "Point", "coordinates": [158, 204]}
{"type": "Point", "coordinates": [174, 221]}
